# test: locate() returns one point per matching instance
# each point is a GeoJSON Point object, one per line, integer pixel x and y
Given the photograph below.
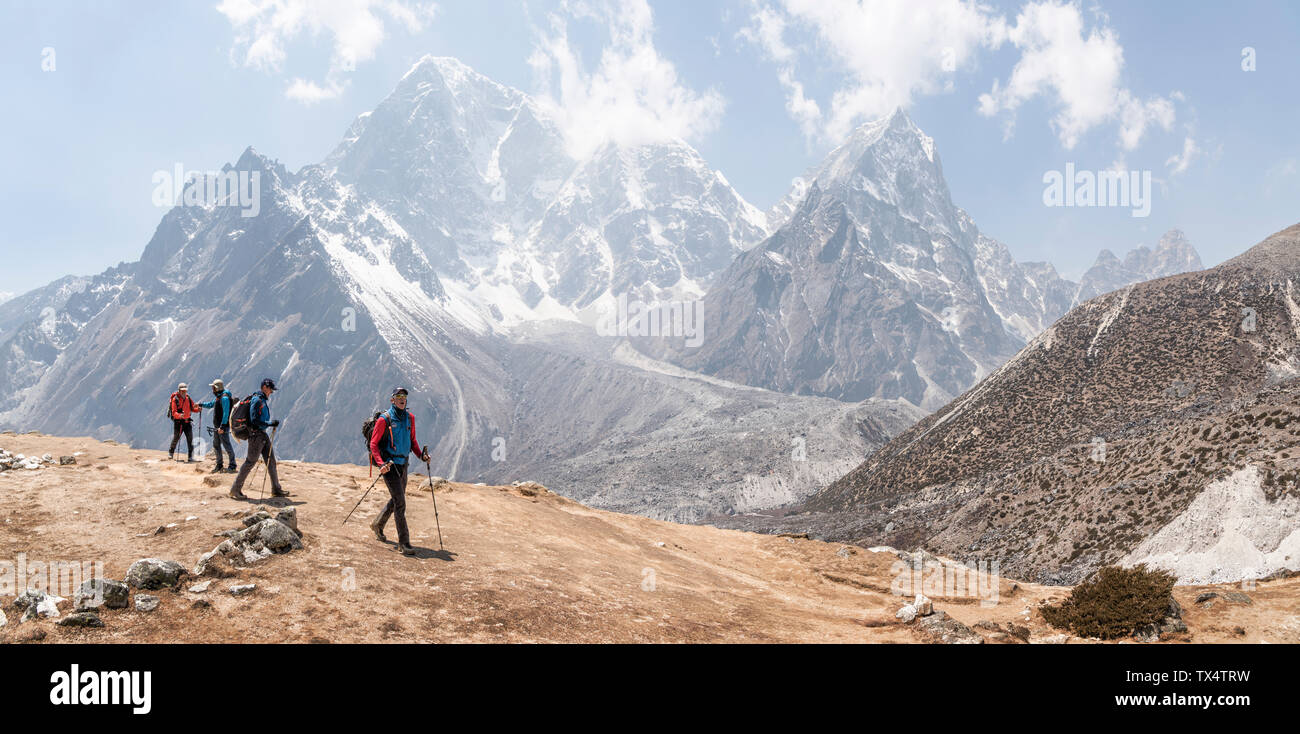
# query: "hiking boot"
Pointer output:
{"type": "Point", "coordinates": [170, 457]}
{"type": "Point", "coordinates": [238, 496]}
{"type": "Point", "coordinates": [279, 493]}
{"type": "Point", "coordinates": [378, 530]}
{"type": "Point", "coordinates": [232, 470]}
{"type": "Point", "coordinates": [218, 470]}
{"type": "Point", "coordinates": [405, 550]}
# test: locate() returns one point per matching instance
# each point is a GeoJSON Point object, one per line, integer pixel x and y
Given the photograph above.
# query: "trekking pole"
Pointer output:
{"type": "Point", "coordinates": [434, 495]}
{"type": "Point", "coordinates": [363, 499]}
{"type": "Point", "coordinates": [270, 455]}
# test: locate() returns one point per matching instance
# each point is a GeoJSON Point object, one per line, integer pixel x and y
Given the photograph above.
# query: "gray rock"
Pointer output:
{"type": "Point", "coordinates": [36, 603]}
{"type": "Point", "coordinates": [3, 619]}
{"type": "Point", "coordinates": [243, 589]}
{"type": "Point", "coordinates": [924, 606]}
{"type": "Point", "coordinates": [67, 460]}
{"type": "Point", "coordinates": [102, 592]}
{"type": "Point", "coordinates": [289, 516]}
{"type": "Point", "coordinates": [146, 602]}
{"type": "Point", "coordinates": [949, 631]}
{"type": "Point", "coordinates": [81, 619]}
{"type": "Point", "coordinates": [278, 537]}
{"type": "Point", "coordinates": [200, 588]}
{"type": "Point", "coordinates": [154, 573]}
{"type": "Point", "coordinates": [907, 613]}
{"type": "Point", "coordinates": [256, 517]}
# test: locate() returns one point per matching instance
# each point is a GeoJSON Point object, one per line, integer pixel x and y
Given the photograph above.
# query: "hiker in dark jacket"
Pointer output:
{"type": "Point", "coordinates": [391, 442]}
{"type": "Point", "coordinates": [182, 406]}
{"type": "Point", "coordinates": [221, 403]}
{"type": "Point", "coordinates": [259, 444]}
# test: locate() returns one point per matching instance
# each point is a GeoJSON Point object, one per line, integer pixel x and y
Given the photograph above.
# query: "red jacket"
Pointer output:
{"type": "Point", "coordinates": [380, 433]}
{"type": "Point", "coordinates": [181, 409]}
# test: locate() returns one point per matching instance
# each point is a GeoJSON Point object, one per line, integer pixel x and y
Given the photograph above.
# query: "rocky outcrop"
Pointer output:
{"type": "Point", "coordinates": [154, 573]}
{"type": "Point", "coordinates": [261, 537]}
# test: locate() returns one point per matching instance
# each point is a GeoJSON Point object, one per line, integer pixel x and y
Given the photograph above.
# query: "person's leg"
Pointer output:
{"type": "Point", "coordinates": [270, 469]}
{"type": "Point", "coordinates": [379, 523]}
{"type": "Point", "coordinates": [255, 441]}
{"type": "Point", "coordinates": [176, 437]}
{"type": "Point", "coordinates": [230, 449]}
{"type": "Point", "coordinates": [224, 438]}
{"type": "Point", "coordinates": [398, 490]}
{"type": "Point", "coordinates": [189, 440]}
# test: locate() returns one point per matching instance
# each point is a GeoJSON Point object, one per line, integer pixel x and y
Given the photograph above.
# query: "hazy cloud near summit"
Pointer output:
{"type": "Point", "coordinates": [633, 96]}
{"type": "Point", "coordinates": [263, 28]}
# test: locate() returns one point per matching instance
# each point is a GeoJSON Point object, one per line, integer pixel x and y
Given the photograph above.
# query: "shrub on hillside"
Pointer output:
{"type": "Point", "coordinates": [1114, 602]}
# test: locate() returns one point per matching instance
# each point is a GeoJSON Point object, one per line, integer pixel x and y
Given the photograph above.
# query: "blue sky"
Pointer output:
{"type": "Point", "coordinates": [1008, 91]}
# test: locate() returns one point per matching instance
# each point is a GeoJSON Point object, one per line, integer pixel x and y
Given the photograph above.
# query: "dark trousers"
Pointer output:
{"type": "Point", "coordinates": [179, 426]}
{"type": "Point", "coordinates": [259, 446]}
{"type": "Point", "coordinates": [220, 439]}
{"type": "Point", "coordinates": [395, 479]}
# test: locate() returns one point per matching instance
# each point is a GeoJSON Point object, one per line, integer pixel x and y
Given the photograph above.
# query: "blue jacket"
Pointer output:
{"type": "Point", "coordinates": [222, 415]}
{"type": "Point", "coordinates": [259, 412]}
{"type": "Point", "coordinates": [400, 431]}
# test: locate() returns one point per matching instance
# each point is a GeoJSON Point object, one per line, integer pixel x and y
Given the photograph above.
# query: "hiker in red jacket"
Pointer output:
{"type": "Point", "coordinates": [391, 442]}
{"type": "Point", "coordinates": [182, 405]}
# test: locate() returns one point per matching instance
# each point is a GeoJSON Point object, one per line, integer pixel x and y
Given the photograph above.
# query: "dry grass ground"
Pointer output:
{"type": "Point", "coordinates": [517, 568]}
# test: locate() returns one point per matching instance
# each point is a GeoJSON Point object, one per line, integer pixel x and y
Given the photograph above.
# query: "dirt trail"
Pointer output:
{"type": "Point", "coordinates": [517, 568]}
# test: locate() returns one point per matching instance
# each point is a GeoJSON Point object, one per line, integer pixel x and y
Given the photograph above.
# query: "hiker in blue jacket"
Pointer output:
{"type": "Point", "coordinates": [221, 403]}
{"type": "Point", "coordinates": [259, 444]}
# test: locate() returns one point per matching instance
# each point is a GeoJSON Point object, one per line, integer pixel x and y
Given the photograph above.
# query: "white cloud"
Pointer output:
{"type": "Point", "coordinates": [632, 97]}
{"type": "Point", "coordinates": [1179, 162]}
{"type": "Point", "coordinates": [891, 52]}
{"type": "Point", "coordinates": [1080, 71]}
{"type": "Point", "coordinates": [356, 28]}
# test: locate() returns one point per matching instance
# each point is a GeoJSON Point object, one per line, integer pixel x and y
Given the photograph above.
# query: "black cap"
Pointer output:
{"type": "Point", "coordinates": [268, 382]}
{"type": "Point", "coordinates": [399, 391]}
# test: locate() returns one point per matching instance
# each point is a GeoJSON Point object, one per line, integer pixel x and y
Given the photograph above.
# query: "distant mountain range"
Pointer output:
{"type": "Point", "coordinates": [452, 245]}
{"type": "Point", "coordinates": [874, 284]}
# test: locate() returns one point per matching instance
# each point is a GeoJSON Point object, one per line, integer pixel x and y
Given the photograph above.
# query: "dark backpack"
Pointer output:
{"type": "Point", "coordinates": [239, 418]}
{"type": "Point", "coordinates": [367, 430]}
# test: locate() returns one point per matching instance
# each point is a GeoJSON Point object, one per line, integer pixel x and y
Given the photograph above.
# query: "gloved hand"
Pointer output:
{"type": "Point", "coordinates": [384, 469]}
{"type": "Point", "coordinates": [275, 424]}
{"type": "Point", "coordinates": [425, 455]}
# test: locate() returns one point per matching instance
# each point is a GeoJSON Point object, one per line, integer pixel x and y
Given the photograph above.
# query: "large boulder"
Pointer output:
{"type": "Point", "coordinates": [154, 573]}
{"type": "Point", "coordinates": [277, 537]}
{"type": "Point", "coordinates": [102, 593]}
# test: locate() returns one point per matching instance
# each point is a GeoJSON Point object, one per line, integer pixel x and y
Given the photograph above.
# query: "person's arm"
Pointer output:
{"type": "Point", "coordinates": [377, 433]}
{"type": "Point", "coordinates": [208, 404]}
{"type": "Point", "coordinates": [415, 445]}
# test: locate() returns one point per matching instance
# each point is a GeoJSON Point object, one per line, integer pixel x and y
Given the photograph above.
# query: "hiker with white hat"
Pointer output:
{"type": "Point", "coordinates": [179, 408]}
{"type": "Point", "coordinates": [221, 403]}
